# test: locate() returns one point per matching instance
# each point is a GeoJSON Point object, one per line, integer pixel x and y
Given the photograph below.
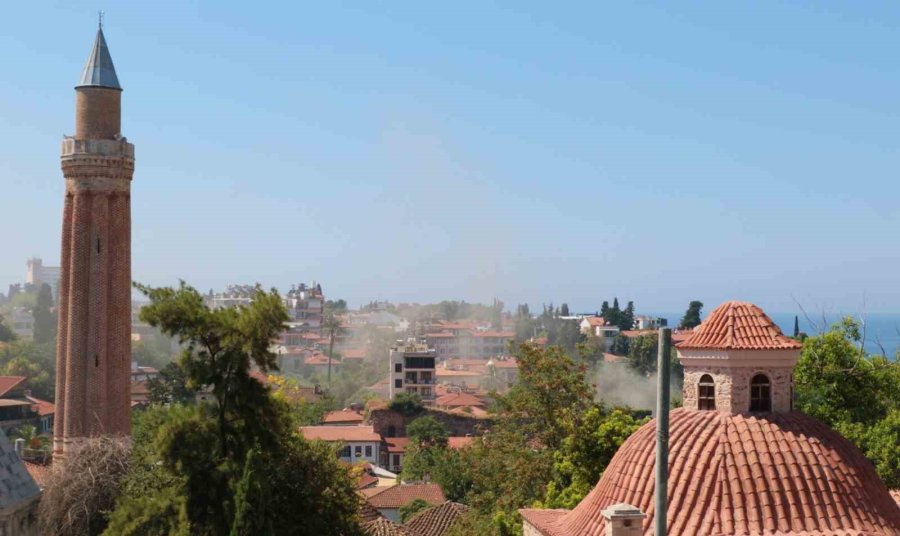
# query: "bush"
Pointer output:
{"type": "Point", "coordinates": [82, 487]}
{"type": "Point", "coordinates": [406, 404]}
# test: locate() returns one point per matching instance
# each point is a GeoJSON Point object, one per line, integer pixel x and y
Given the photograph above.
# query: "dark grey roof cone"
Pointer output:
{"type": "Point", "coordinates": [99, 70]}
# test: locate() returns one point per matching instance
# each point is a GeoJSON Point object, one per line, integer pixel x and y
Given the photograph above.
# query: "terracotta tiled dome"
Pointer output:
{"type": "Point", "coordinates": [737, 325]}
{"type": "Point", "coordinates": [739, 474]}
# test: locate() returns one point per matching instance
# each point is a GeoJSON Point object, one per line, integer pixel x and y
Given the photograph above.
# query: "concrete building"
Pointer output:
{"type": "Point", "coordinates": [412, 370]}
{"type": "Point", "coordinates": [357, 443]}
{"type": "Point", "coordinates": [306, 305]}
{"type": "Point", "coordinates": [21, 321]}
{"type": "Point", "coordinates": [37, 274]}
{"type": "Point", "coordinates": [94, 342]}
{"type": "Point", "coordinates": [468, 341]}
{"type": "Point", "coordinates": [642, 322]}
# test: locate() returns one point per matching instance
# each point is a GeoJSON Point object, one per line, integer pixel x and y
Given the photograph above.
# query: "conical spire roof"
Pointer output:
{"type": "Point", "coordinates": [99, 70]}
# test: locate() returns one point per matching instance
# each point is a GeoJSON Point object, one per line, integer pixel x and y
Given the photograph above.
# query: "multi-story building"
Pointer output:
{"type": "Point", "coordinates": [470, 341]}
{"type": "Point", "coordinates": [413, 370]}
{"type": "Point", "coordinates": [306, 306]}
{"type": "Point", "coordinates": [38, 274]}
{"type": "Point", "coordinates": [642, 322]}
{"type": "Point", "coordinates": [233, 296]}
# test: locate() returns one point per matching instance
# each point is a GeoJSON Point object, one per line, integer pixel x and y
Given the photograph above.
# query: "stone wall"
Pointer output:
{"type": "Point", "coordinates": [458, 425]}
{"type": "Point", "coordinates": [21, 521]}
{"type": "Point", "coordinates": [733, 387]}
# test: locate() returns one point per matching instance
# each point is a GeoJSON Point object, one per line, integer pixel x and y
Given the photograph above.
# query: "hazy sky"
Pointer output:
{"type": "Point", "coordinates": [531, 152]}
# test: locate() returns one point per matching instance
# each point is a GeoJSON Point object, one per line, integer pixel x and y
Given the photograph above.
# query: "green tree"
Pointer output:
{"type": "Point", "coordinates": [642, 354]}
{"type": "Point", "coordinates": [44, 317]}
{"type": "Point", "coordinates": [6, 334]}
{"type": "Point", "coordinates": [564, 309]}
{"type": "Point", "coordinates": [796, 326]}
{"type": "Point", "coordinates": [333, 328]}
{"type": "Point", "coordinates": [170, 386]}
{"type": "Point", "coordinates": [406, 404]}
{"type": "Point", "coordinates": [410, 509]}
{"type": "Point", "coordinates": [854, 393]}
{"type": "Point", "coordinates": [627, 317]}
{"type": "Point", "coordinates": [585, 453]}
{"type": "Point", "coordinates": [621, 345]}
{"type": "Point", "coordinates": [183, 482]}
{"type": "Point", "coordinates": [427, 432]}
{"type": "Point", "coordinates": [691, 318]}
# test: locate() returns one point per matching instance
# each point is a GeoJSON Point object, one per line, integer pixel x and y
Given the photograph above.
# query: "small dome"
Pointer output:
{"type": "Point", "coordinates": [739, 474]}
{"type": "Point", "coordinates": [736, 325]}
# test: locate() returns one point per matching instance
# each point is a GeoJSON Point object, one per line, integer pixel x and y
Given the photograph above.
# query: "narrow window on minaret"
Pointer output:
{"type": "Point", "coordinates": [96, 360]}
{"type": "Point", "coordinates": [98, 244]}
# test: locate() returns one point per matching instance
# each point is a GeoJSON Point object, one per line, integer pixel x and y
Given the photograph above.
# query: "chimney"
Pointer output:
{"type": "Point", "coordinates": [20, 447]}
{"type": "Point", "coordinates": [623, 520]}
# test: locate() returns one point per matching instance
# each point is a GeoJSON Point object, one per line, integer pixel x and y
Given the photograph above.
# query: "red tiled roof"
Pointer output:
{"type": "Point", "coordinates": [320, 359]}
{"type": "Point", "coordinates": [383, 527]}
{"type": "Point", "coordinates": [354, 353]}
{"type": "Point", "coordinates": [499, 334]}
{"type": "Point", "coordinates": [455, 400]}
{"type": "Point", "coordinates": [396, 444]}
{"type": "Point", "coordinates": [366, 480]}
{"type": "Point", "coordinates": [345, 415]}
{"type": "Point", "coordinates": [595, 321]}
{"type": "Point", "coordinates": [42, 407]}
{"type": "Point", "coordinates": [8, 383]}
{"type": "Point", "coordinates": [470, 411]}
{"type": "Point", "coordinates": [39, 473]}
{"type": "Point", "coordinates": [739, 326]}
{"type": "Point", "coordinates": [400, 494]}
{"type": "Point", "coordinates": [340, 433]}
{"type": "Point", "coordinates": [367, 512]}
{"type": "Point", "coordinates": [439, 335]}
{"type": "Point", "coordinates": [437, 521]}
{"type": "Point", "coordinates": [459, 442]}
{"type": "Point", "coordinates": [782, 473]}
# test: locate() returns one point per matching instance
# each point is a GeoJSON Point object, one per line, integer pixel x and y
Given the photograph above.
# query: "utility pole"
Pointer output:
{"type": "Point", "coordinates": [662, 432]}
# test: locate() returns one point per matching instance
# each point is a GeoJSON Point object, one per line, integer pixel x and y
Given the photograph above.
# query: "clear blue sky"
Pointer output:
{"type": "Point", "coordinates": [530, 151]}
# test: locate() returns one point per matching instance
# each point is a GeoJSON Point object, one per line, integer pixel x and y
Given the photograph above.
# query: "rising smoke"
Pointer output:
{"type": "Point", "coordinates": [619, 385]}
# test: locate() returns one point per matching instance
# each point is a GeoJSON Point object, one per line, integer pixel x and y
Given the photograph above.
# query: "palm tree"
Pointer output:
{"type": "Point", "coordinates": [333, 327]}
{"type": "Point", "coordinates": [33, 440]}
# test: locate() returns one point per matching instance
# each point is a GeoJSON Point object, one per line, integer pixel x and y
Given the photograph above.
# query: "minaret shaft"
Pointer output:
{"type": "Point", "coordinates": [94, 341]}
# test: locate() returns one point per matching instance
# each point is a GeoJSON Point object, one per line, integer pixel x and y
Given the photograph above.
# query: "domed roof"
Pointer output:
{"type": "Point", "coordinates": [739, 474]}
{"type": "Point", "coordinates": [736, 325]}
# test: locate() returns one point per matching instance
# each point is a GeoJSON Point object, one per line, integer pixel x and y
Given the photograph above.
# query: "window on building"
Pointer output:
{"type": "Point", "coordinates": [396, 460]}
{"type": "Point", "coordinates": [346, 452]}
{"type": "Point", "coordinates": [398, 384]}
{"type": "Point", "coordinates": [706, 393]}
{"type": "Point", "coordinates": [760, 393]}
{"type": "Point", "coordinates": [368, 451]}
{"type": "Point", "coordinates": [357, 450]}
{"type": "Point", "coordinates": [398, 367]}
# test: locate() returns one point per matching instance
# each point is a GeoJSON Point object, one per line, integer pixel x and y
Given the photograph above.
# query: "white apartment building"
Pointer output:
{"type": "Point", "coordinates": [360, 443]}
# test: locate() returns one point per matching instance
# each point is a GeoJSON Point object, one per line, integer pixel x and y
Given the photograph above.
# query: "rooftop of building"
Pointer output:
{"type": "Point", "coordinates": [340, 433]}
{"type": "Point", "coordinates": [401, 494]}
{"type": "Point", "coordinates": [779, 473]}
{"type": "Point", "coordinates": [737, 325]}
{"type": "Point", "coordinates": [437, 521]}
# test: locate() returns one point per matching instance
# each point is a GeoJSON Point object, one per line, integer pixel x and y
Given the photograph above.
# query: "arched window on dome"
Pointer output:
{"type": "Point", "coordinates": [760, 393]}
{"type": "Point", "coordinates": [706, 393]}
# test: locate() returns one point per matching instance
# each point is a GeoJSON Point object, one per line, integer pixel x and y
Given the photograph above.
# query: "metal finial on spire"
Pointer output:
{"type": "Point", "coordinates": [100, 19]}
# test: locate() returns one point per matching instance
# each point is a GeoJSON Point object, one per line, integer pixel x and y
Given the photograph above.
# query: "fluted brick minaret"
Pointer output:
{"type": "Point", "coordinates": [93, 355]}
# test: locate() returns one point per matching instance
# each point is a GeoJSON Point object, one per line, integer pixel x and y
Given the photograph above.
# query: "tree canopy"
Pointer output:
{"type": "Point", "coordinates": [691, 318]}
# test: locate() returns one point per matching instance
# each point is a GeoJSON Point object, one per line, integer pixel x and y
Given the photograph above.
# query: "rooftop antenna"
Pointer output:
{"type": "Point", "coordinates": [100, 20]}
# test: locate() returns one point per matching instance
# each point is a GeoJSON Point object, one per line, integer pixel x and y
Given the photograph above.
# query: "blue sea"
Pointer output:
{"type": "Point", "coordinates": [882, 329]}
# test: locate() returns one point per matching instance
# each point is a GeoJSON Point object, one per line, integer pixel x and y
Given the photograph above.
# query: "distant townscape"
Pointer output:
{"type": "Point", "coordinates": [248, 411]}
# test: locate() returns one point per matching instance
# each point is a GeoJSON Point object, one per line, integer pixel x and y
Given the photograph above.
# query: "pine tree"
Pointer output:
{"type": "Point", "coordinates": [691, 318]}
{"type": "Point", "coordinates": [44, 319]}
{"type": "Point", "coordinates": [796, 326]}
